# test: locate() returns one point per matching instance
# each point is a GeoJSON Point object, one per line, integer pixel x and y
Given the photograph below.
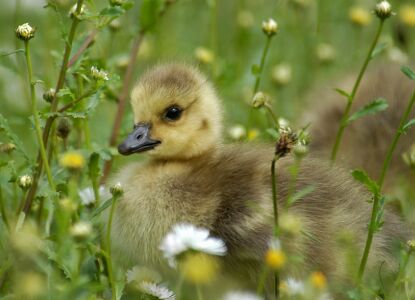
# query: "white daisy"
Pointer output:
{"type": "Point", "coordinates": [87, 195]}
{"type": "Point", "coordinates": [156, 290]}
{"type": "Point", "coordinates": [185, 237]}
{"type": "Point", "coordinates": [294, 286]}
{"type": "Point", "coordinates": [237, 295]}
{"type": "Point", "coordinates": [142, 274]}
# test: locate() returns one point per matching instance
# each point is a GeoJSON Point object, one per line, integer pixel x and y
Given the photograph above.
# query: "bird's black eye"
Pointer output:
{"type": "Point", "coordinates": [173, 113]}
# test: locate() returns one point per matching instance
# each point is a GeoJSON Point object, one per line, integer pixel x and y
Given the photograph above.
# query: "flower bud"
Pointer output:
{"type": "Point", "coordinates": [270, 27]}
{"type": "Point", "coordinates": [49, 95]}
{"type": "Point", "coordinates": [25, 181]}
{"type": "Point", "coordinates": [282, 74]}
{"type": "Point", "coordinates": [411, 245]}
{"type": "Point", "coordinates": [25, 32]}
{"type": "Point", "coordinates": [64, 128]}
{"type": "Point", "coordinates": [300, 150]}
{"type": "Point", "coordinates": [74, 14]}
{"type": "Point", "coordinates": [383, 10]}
{"type": "Point", "coordinates": [115, 25]}
{"type": "Point", "coordinates": [7, 148]}
{"type": "Point", "coordinates": [325, 53]}
{"type": "Point", "coordinates": [259, 100]}
{"type": "Point", "coordinates": [99, 74]}
{"type": "Point", "coordinates": [81, 230]}
{"type": "Point", "coordinates": [116, 190]}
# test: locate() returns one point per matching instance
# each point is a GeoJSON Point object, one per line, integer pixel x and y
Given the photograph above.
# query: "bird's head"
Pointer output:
{"type": "Point", "coordinates": [177, 114]}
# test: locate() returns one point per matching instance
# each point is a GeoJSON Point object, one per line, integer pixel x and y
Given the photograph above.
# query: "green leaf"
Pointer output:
{"type": "Point", "coordinates": [149, 13]}
{"type": "Point", "coordinates": [113, 11]}
{"type": "Point", "coordinates": [378, 50]}
{"type": "Point", "coordinates": [273, 133]}
{"type": "Point", "coordinates": [3, 54]}
{"type": "Point", "coordinates": [4, 125]}
{"type": "Point", "coordinates": [342, 93]}
{"type": "Point", "coordinates": [93, 165]}
{"type": "Point", "coordinates": [66, 114]}
{"type": "Point", "coordinates": [300, 195]}
{"type": "Point", "coordinates": [363, 178]}
{"type": "Point", "coordinates": [409, 124]}
{"type": "Point", "coordinates": [408, 72]}
{"type": "Point", "coordinates": [255, 70]}
{"type": "Point", "coordinates": [373, 107]}
{"type": "Point", "coordinates": [103, 207]}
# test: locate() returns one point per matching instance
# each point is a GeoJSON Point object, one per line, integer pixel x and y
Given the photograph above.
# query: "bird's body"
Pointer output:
{"type": "Point", "coordinates": [227, 189]}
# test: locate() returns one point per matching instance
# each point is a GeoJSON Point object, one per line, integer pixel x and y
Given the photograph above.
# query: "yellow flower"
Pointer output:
{"type": "Point", "coordinates": [199, 268]}
{"type": "Point", "coordinates": [275, 258]}
{"type": "Point", "coordinates": [318, 280]}
{"type": "Point", "coordinates": [252, 134]}
{"type": "Point", "coordinates": [72, 160]}
{"type": "Point", "coordinates": [359, 16]}
{"type": "Point", "coordinates": [407, 15]}
{"type": "Point", "coordinates": [204, 55]}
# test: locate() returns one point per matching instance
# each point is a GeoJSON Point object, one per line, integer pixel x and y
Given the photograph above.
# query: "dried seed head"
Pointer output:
{"type": "Point", "coordinates": [25, 181]}
{"type": "Point", "coordinates": [7, 148]}
{"type": "Point", "coordinates": [116, 190]}
{"type": "Point", "coordinates": [64, 128]}
{"type": "Point", "coordinates": [270, 27]}
{"type": "Point", "coordinates": [49, 95]}
{"type": "Point", "coordinates": [285, 143]}
{"type": "Point", "coordinates": [383, 10]}
{"type": "Point", "coordinates": [259, 99]}
{"type": "Point", "coordinates": [25, 32]}
{"type": "Point", "coordinates": [99, 74]}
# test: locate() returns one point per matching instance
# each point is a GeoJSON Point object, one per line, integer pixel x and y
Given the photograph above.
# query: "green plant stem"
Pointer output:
{"type": "Point", "coordinates": [350, 99]}
{"type": "Point", "coordinates": [276, 227]}
{"type": "Point", "coordinates": [402, 269]}
{"type": "Point", "coordinates": [48, 126]}
{"type": "Point", "coordinates": [262, 279]}
{"type": "Point", "coordinates": [36, 117]}
{"type": "Point", "coordinates": [3, 210]}
{"type": "Point", "coordinates": [377, 196]}
{"type": "Point", "coordinates": [108, 250]}
{"type": "Point", "coordinates": [199, 293]}
{"type": "Point", "coordinates": [258, 76]}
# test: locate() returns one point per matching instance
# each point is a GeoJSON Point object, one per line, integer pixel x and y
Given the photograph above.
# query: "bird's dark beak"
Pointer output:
{"type": "Point", "coordinates": [138, 141]}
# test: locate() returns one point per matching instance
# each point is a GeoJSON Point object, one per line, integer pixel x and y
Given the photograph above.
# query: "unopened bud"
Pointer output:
{"type": "Point", "coordinates": [7, 148]}
{"type": "Point", "coordinates": [49, 95]}
{"type": "Point", "coordinates": [64, 128]}
{"type": "Point", "coordinates": [411, 245]}
{"type": "Point", "coordinates": [25, 181]}
{"type": "Point", "coordinates": [99, 74]}
{"type": "Point", "coordinates": [73, 11]}
{"type": "Point", "coordinates": [116, 190]}
{"type": "Point", "coordinates": [270, 27]}
{"type": "Point", "coordinates": [383, 10]}
{"type": "Point", "coordinates": [25, 32]}
{"type": "Point", "coordinates": [259, 100]}
{"type": "Point", "coordinates": [81, 230]}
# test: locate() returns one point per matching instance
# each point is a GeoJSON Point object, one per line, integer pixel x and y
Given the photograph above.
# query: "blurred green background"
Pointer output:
{"type": "Point", "coordinates": [317, 42]}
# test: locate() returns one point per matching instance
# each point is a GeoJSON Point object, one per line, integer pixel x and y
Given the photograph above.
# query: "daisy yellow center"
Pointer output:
{"type": "Point", "coordinates": [72, 160]}
{"type": "Point", "coordinates": [318, 280]}
{"type": "Point", "coordinates": [199, 268]}
{"type": "Point", "coordinates": [275, 258]}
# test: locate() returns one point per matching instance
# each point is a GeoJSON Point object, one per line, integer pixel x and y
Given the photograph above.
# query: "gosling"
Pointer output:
{"type": "Point", "coordinates": [191, 176]}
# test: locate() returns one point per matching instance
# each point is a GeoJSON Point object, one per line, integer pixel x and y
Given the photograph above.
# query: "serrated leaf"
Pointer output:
{"type": "Point", "coordinates": [363, 178]}
{"type": "Point", "coordinates": [409, 124]}
{"type": "Point", "coordinates": [66, 114]}
{"type": "Point", "coordinates": [65, 92]}
{"type": "Point", "coordinates": [373, 107]}
{"type": "Point", "coordinates": [408, 72]}
{"type": "Point", "coordinates": [342, 92]}
{"type": "Point", "coordinates": [378, 50]}
{"type": "Point", "coordinates": [4, 125]}
{"type": "Point", "coordinates": [300, 195]}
